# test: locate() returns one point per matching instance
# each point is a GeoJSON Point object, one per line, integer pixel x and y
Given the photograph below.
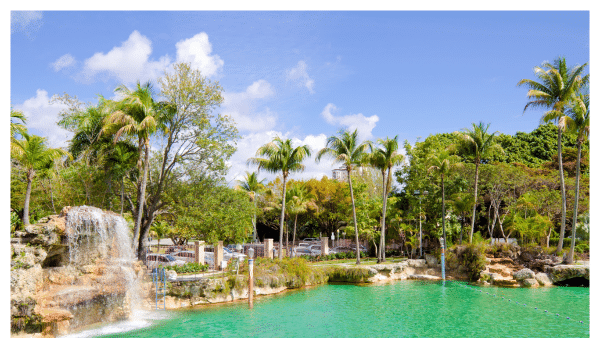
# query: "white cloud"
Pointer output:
{"type": "Point", "coordinates": [364, 124]}
{"type": "Point", "coordinates": [241, 107]}
{"type": "Point", "coordinates": [196, 50]}
{"type": "Point", "coordinates": [64, 61]}
{"type": "Point", "coordinates": [43, 116]}
{"type": "Point", "coordinates": [249, 144]}
{"type": "Point", "coordinates": [128, 63]}
{"type": "Point", "coordinates": [298, 74]}
{"type": "Point", "coordinates": [25, 21]}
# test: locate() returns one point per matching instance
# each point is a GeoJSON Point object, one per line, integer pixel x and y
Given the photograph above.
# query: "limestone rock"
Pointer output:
{"type": "Point", "coordinates": [417, 263]}
{"type": "Point", "coordinates": [529, 282]}
{"type": "Point", "coordinates": [543, 279]}
{"type": "Point", "coordinates": [524, 274]}
{"type": "Point", "coordinates": [560, 273]}
{"type": "Point", "coordinates": [431, 260]}
{"type": "Point", "coordinates": [171, 275]}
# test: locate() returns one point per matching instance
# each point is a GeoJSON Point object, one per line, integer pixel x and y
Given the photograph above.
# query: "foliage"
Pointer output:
{"type": "Point", "coordinates": [188, 268]}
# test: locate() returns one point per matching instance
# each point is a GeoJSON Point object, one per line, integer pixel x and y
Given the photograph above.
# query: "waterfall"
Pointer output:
{"type": "Point", "coordinates": [101, 241]}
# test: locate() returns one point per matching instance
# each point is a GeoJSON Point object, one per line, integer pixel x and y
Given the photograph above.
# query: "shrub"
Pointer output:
{"type": "Point", "coordinates": [582, 247]}
{"type": "Point", "coordinates": [188, 268]}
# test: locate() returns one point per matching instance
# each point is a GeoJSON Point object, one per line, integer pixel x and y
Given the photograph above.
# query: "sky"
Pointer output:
{"type": "Point", "coordinates": [302, 75]}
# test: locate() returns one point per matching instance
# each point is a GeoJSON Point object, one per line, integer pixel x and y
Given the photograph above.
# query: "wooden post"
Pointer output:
{"type": "Point", "coordinates": [250, 278]}
{"type": "Point", "coordinates": [269, 248]}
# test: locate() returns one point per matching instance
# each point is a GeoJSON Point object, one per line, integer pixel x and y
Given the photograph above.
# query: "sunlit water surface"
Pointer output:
{"type": "Point", "coordinates": [400, 309]}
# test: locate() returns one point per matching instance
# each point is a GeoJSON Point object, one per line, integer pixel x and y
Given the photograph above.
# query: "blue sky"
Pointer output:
{"type": "Point", "coordinates": [303, 75]}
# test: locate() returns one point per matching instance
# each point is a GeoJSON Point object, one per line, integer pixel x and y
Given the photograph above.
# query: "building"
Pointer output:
{"type": "Point", "coordinates": [340, 174]}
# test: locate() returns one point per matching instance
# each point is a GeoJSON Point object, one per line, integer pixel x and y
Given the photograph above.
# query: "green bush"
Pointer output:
{"type": "Point", "coordinates": [582, 247]}
{"type": "Point", "coordinates": [188, 268]}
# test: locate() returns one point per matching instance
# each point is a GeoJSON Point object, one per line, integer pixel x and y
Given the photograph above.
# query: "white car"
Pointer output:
{"type": "Point", "coordinates": [188, 256]}
{"type": "Point", "coordinates": [301, 251]}
{"type": "Point", "coordinates": [228, 254]}
{"type": "Point", "coordinates": [315, 250]}
{"type": "Point", "coordinates": [156, 260]}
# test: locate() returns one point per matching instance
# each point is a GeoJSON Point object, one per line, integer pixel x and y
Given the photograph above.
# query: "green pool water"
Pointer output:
{"type": "Point", "coordinates": [400, 309]}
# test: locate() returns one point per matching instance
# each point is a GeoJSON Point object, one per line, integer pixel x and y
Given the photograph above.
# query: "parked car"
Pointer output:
{"type": "Point", "coordinates": [315, 250]}
{"type": "Point", "coordinates": [156, 260]}
{"type": "Point", "coordinates": [301, 251]}
{"type": "Point", "coordinates": [188, 256]}
{"type": "Point", "coordinates": [304, 245]}
{"type": "Point", "coordinates": [229, 254]}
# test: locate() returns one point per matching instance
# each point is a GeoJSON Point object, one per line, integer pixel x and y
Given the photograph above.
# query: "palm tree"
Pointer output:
{"type": "Point", "coordinates": [557, 86]}
{"type": "Point", "coordinates": [300, 199]}
{"type": "Point", "coordinates": [281, 157]}
{"type": "Point", "coordinates": [161, 229]}
{"type": "Point", "coordinates": [477, 145]}
{"type": "Point", "coordinates": [32, 154]}
{"type": "Point", "coordinates": [134, 115]}
{"type": "Point", "coordinates": [254, 188]}
{"type": "Point", "coordinates": [462, 204]}
{"type": "Point", "coordinates": [577, 120]}
{"type": "Point", "coordinates": [443, 163]}
{"type": "Point", "coordinates": [16, 127]}
{"type": "Point", "coordinates": [384, 158]}
{"type": "Point", "coordinates": [346, 150]}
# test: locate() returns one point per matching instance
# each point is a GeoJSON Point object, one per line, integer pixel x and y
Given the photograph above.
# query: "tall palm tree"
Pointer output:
{"type": "Point", "coordinates": [135, 115]}
{"type": "Point", "coordinates": [385, 158]}
{"type": "Point", "coordinates": [577, 120]}
{"type": "Point", "coordinates": [557, 85]}
{"type": "Point", "coordinates": [32, 154]}
{"type": "Point", "coordinates": [443, 163]}
{"type": "Point", "coordinates": [477, 145]}
{"type": "Point", "coordinates": [254, 188]}
{"type": "Point", "coordinates": [281, 157]}
{"type": "Point", "coordinates": [346, 150]}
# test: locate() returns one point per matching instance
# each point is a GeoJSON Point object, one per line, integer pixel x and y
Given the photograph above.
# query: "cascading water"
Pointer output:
{"type": "Point", "coordinates": [100, 241]}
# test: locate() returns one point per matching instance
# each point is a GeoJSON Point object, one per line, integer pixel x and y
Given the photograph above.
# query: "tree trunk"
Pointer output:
{"type": "Point", "coordinates": [27, 197]}
{"type": "Point", "coordinates": [475, 201]}
{"type": "Point", "coordinates": [287, 237]}
{"type": "Point", "coordinates": [354, 218]}
{"type": "Point", "coordinates": [51, 196]}
{"type": "Point", "coordinates": [571, 256]}
{"type": "Point", "coordinates": [281, 223]}
{"type": "Point", "coordinates": [380, 257]}
{"type": "Point", "coordinates": [563, 194]}
{"type": "Point", "coordinates": [462, 226]}
{"type": "Point", "coordinates": [142, 198]}
{"type": "Point", "coordinates": [443, 213]}
{"type": "Point", "coordinates": [254, 221]}
{"type": "Point", "coordinates": [138, 216]}
{"type": "Point", "coordinates": [122, 194]}
{"type": "Point", "coordinates": [294, 238]}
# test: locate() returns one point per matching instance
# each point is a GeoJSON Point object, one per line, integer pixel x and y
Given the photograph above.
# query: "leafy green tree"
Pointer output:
{"type": "Point", "coordinates": [251, 185]}
{"type": "Point", "coordinates": [346, 150]}
{"type": "Point", "coordinates": [462, 203]}
{"type": "Point", "coordinates": [577, 120]}
{"type": "Point", "coordinates": [32, 154]}
{"type": "Point", "coordinates": [385, 158]}
{"type": "Point", "coordinates": [556, 87]}
{"type": "Point", "coordinates": [476, 145]}
{"type": "Point", "coordinates": [281, 157]}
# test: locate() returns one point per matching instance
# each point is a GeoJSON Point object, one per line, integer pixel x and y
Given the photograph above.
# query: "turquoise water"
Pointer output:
{"type": "Point", "coordinates": [400, 309]}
